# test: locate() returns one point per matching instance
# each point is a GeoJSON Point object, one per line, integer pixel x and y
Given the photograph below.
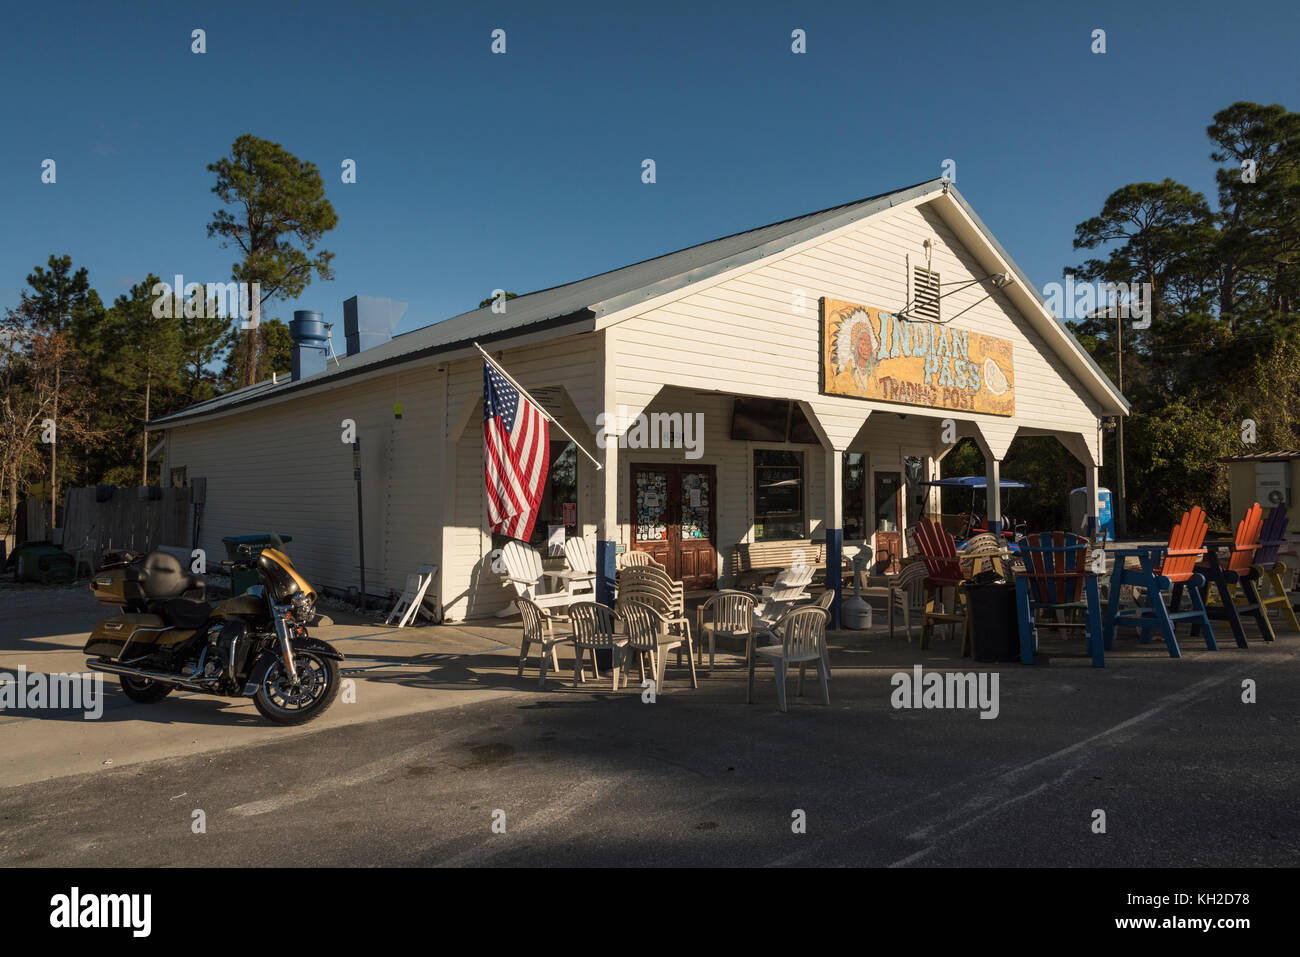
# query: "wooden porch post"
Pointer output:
{"type": "Point", "coordinates": [834, 524]}
{"type": "Point", "coordinates": [607, 478]}
{"type": "Point", "coordinates": [993, 494]}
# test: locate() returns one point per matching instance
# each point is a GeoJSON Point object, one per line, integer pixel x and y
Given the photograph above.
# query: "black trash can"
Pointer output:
{"type": "Point", "coordinates": [995, 632]}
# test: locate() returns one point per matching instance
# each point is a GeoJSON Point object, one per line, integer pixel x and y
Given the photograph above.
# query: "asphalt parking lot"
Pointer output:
{"type": "Point", "coordinates": [447, 758]}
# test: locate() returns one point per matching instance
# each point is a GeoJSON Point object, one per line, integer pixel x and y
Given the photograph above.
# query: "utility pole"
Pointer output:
{"type": "Point", "coordinates": [1121, 499]}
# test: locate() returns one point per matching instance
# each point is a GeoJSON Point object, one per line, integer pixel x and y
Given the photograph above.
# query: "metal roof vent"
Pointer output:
{"type": "Point", "coordinates": [369, 321]}
{"type": "Point", "coordinates": [925, 295]}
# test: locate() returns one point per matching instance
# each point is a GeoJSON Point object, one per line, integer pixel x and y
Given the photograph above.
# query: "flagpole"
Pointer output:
{"type": "Point", "coordinates": [546, 415]}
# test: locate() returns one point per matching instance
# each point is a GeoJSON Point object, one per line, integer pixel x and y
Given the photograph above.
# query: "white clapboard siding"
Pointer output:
{"type": "Point", "coordinates": [744, 335]}
{"type": "Point", "coordinates": [284, 468]}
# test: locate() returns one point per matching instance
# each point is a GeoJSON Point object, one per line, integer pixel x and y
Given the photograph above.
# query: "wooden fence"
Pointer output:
{"type": "Point", "coordinates": [131, 519]}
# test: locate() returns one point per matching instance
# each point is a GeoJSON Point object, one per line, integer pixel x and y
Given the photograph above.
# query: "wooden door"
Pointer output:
{"type": "Point", "coordinates": [674, 519]}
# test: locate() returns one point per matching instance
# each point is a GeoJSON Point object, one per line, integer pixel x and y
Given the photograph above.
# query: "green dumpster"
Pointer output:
{"type": "Point", "coordinates": [242, 546]}
{"type": "Point", "coordinates": [44, 563]}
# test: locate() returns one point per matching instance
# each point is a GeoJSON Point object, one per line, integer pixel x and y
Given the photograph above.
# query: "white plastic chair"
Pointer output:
{"type": "Point", "coordinates": [538, 630]}
{"type": "Point", "coordinates": [905, 594]}
{"type": "Point", "coordinates": [635, 559]}
{"type": "Point", "coordinates": [729, 613]}
{"type": "Point", "coordinates": [790, 588]}
{"type": "Point", "coordinates": [524, 572]}
{"type": "Point", "coordinates": [592, 627]}
{"type": "Point", "coordinates": [635, 575]}
{"type": "Point", "coordinates": [803, 639]}
{"type": "Point", "coordinates": [580, 576]}
{"type": "Point", "coordinates": [650, 631]}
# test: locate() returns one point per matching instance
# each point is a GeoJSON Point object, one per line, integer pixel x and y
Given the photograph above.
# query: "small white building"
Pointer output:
{"type": "Point", "coordinates": [829, 361]}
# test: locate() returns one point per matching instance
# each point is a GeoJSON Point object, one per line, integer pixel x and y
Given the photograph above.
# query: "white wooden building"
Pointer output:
{"type": "Point", "coordinates": [783, 342]}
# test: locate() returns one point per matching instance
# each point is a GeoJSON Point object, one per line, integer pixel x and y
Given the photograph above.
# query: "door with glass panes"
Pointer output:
{"type": "Point", "coordinates": [674, 519]}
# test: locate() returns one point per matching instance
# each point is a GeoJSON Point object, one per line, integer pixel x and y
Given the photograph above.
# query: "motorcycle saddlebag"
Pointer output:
{"type": "Point", "coordinates": [142, 632]}
{"type": "Point", "coordinates": [108, 586]}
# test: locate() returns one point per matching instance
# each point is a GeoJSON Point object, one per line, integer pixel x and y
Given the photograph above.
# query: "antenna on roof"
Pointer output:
{"type": "Point", "coordinates": [329, 326]}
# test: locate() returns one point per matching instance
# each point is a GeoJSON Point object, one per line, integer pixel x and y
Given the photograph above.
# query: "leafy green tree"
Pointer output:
{"type": "Point", "coordinates": [146, 363]}
{"type": "Point", "coordinates": [278, 200]}
{"type": "Point", "coordinates": [63, 303]}
{"type": "Point", "coordinates": [1259, 214]}
{"type": "Point", "coordinates": [274, 354]}
{"type": "Point", "coordinates": [31, 353]}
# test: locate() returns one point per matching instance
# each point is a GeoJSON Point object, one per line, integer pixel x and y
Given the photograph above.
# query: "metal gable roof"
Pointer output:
{"type": "Point", "coordinates": [586, 299]}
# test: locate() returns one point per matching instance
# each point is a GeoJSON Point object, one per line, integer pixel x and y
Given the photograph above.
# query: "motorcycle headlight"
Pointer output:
{"type": "Point", "coordinates": [304, 609]}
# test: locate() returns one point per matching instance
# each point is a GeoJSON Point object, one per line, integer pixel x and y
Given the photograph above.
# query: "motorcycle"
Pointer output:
{"type": "Point", "coordinates": [166, 636]}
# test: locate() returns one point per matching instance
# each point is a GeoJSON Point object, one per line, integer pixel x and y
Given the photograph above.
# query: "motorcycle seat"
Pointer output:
{"type": "Point", "coordinates": [184, 613]}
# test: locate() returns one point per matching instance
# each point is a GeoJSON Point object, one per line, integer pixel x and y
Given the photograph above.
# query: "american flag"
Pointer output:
{"type": "Point", "coordinates": [516, 453]}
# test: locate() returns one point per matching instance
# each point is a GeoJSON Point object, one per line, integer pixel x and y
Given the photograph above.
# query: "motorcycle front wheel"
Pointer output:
{"type": "Point", "coordinates": [144, 690]}
{"type": "Point", "coordinates": [281, 701]}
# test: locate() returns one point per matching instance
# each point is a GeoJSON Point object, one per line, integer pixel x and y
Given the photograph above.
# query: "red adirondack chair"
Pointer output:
{"type": "Point", "coordinates": [1177, 570]}
{"type": "Point", "coordinates": [943, 570]}
{"type": "Point", "coordinates": [1240, 570]}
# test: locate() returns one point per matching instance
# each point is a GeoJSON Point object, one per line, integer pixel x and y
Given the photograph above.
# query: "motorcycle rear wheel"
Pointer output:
{"type": "Point", "coordinates": [318, 685]}
{"type": "Point", "coordinates": [144, 690]}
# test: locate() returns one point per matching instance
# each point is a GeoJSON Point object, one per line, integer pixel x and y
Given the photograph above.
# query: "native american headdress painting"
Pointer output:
{"type": "Point", "coordinates": [855, 345]}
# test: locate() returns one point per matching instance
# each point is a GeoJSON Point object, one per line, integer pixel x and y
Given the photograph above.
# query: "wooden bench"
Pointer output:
{"type": "Point", "coordinates": [757, 561]}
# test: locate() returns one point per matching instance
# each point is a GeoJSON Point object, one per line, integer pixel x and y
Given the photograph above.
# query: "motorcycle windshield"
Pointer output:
{"type": "Point", "coordinates": [282, 581]}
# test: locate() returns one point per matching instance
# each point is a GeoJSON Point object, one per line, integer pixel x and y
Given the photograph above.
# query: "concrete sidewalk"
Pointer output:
{"type": "Point", "coordinates": [396, 672]}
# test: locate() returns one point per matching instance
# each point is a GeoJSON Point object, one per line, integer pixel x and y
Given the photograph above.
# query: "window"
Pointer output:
{"type": "Point", "coordinates": [925, 295]}
{"type": "Point", "coordinates": [854, 485]}
{"type": "Point", "coordinates": [913, 476]}
{"type": "Point", "coordinates": [887, 488]}
{"type": "Point", "coordinates": [778, 494]}
{"type": "Point", "coordinates": [561, 489]}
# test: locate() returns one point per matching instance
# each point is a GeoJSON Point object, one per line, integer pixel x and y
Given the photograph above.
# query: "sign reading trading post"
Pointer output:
{"type": "Point", "coordinates": [870, 354]}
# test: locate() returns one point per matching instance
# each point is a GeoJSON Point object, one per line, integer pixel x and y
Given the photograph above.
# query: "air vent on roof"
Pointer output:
{"type": "Point", "coordinates": [925, 295]}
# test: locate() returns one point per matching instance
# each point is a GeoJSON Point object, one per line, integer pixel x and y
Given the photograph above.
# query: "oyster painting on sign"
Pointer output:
{"type": "Point", "coordinates": [870, 354]}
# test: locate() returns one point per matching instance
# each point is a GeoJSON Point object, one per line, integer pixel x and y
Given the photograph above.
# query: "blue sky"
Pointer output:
{"type": "Point", "coordinates": [523, 171]}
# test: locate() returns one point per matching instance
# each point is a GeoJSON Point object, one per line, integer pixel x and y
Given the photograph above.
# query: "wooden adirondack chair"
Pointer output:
{"type": "Point", "coordinates": [1271, 537]}
{"type": "Point", "coordinates": [1056, 578]}
{"type": "Point", "coordinates": [1238, 571]}
{"type": "Point", "coordinates": [943, 570]}
{"type": "Point", "coordinates": [1177, 570]}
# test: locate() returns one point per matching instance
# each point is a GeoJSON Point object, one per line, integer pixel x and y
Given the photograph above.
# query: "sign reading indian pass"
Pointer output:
{"type": "Point", "coordinates": [871, 354]}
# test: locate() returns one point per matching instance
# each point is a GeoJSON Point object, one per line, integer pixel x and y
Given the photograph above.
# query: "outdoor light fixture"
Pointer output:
{"type": "Point", "coordinates": [1002, 279]}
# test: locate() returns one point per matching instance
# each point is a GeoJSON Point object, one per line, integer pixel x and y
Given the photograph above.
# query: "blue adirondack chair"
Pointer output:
{"type": "Point", "coordinates": [1056, 578]}
{"type": "Point", "coordinates": [1176, 570]}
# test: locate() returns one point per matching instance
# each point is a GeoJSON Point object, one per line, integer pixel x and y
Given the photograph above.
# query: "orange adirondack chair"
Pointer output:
{"type": "Point", "coordinates": [1240, 570]}
{"type": "Point", "coordinates": [943, 570]}
{"type": "Point", "coordinates": [1177, 571]}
